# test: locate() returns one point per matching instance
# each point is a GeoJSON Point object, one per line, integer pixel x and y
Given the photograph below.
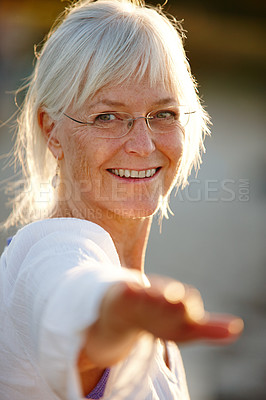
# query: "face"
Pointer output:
{"type": "Point", "coordinates": [125, 177]}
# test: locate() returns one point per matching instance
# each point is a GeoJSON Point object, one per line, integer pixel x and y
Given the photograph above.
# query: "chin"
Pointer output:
{"type": "Point", "coordinates": [135, 211]}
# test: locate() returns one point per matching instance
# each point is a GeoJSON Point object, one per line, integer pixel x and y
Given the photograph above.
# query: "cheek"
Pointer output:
{"type": "Point", "coordinates": [172, 147]}
{"type": "Point", "coordinates": [75, 156]}
{"type": "Point", "coordinates": [87, 156]}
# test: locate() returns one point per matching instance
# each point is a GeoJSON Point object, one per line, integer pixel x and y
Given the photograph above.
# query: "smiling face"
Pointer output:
{"type": "Point", "coordinates": [127, 176]}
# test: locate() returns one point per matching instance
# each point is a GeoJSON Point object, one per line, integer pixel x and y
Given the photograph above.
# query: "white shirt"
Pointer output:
{"type": "Point", "coordinates": [53, 276]}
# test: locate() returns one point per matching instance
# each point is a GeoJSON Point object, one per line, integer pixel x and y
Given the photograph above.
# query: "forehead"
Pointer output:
{"type": "Point", "coordinates": [131, 94]}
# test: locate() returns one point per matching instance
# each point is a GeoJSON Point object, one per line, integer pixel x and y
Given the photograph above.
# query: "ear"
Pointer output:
{"type": "Point", "coordinates": [47, 125]}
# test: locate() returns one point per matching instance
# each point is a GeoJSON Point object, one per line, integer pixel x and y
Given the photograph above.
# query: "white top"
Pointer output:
{"type": "Point", "coordinates": [53, 276]}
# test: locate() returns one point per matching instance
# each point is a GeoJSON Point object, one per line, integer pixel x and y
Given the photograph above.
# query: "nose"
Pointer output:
{"type": "Point", "coordinates": [139, 139]}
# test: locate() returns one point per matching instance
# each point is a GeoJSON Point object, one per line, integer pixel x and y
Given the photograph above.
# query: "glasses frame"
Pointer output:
{"type": "Point", "coordinates": [130, 120]}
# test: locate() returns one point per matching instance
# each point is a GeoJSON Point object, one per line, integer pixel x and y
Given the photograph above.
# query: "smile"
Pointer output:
{"type": "Point", "coordinates": [128, 173]}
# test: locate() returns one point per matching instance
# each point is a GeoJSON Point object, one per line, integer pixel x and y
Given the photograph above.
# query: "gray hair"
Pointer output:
{"type": "Point", "coordinates": [96, 43]}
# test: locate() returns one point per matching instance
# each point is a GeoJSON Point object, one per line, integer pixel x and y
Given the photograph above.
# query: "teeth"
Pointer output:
{"type": "Point", "coordinates": [133, 174]}
{"type": "Point", "coordinates": [148, 173]}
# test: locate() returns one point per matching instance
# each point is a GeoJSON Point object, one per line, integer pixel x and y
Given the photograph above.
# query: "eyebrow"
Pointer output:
{"type": "Point", "coordinates": [112, 103]}
{"type": "Point", "coordinates": [165, 101]}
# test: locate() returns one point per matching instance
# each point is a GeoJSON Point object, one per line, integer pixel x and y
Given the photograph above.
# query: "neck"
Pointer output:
{"type": "Point", "coordinates": [129, 235]}
{"type": "Point", "coordinates": [131, 238]}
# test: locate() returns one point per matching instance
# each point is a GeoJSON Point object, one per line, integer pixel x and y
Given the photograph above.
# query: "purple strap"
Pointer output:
{"type": "Point", "coordinates": [98, 391]}
{"type": "Point", "coordinates": [8, 240]}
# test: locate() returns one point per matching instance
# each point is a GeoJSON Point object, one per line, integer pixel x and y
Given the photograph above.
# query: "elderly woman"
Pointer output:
{"type": "Point", "coordinates": [112, 120]}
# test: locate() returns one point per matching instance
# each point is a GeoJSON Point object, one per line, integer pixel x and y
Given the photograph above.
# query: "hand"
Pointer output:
{"type": "Point", "coordinates": [173, 311]}
{"type": "Point", "coordinates": [168, 309]}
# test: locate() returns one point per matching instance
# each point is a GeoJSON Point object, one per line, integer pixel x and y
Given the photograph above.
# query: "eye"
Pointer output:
{"type": "Point", "coordinates": [165, 115]}
{"type": "Point", "coordinates": [105, 117]}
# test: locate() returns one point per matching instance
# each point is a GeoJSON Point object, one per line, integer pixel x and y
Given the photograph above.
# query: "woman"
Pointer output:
{"type": "Point", "coordinates": [113, 121]}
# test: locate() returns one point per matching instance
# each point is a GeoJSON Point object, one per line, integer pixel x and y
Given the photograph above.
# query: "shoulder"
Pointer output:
{"type": "Point", "coordinates": [62, 235]}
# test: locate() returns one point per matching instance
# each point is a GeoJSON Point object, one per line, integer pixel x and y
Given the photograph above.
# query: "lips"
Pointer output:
{"type": "Point", "coordinates": [130, 173]}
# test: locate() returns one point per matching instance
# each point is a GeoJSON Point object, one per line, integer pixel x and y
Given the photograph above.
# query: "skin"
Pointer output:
{"type": "Point", "coordinates": [124, 208]}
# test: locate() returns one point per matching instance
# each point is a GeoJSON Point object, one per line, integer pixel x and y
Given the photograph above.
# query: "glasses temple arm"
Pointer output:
{"type": "Point", "coordinates": [75, 120]}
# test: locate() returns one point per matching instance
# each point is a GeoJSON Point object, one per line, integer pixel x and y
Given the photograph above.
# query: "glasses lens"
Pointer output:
{"type": "Point", "coordinates": [169, 119]}
{"type": "Point", "coordinates": [185, 113]}
{"type": "Point", "coordinates": [112, 124]}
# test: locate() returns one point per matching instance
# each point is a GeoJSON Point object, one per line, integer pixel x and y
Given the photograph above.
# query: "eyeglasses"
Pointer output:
{"type": "Point", "coordinates": [116, 124]}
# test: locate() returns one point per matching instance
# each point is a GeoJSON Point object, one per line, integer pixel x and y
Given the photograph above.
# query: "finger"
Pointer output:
{"type": "Point", "coordinates": [220, 327]}
{"type": "Point", "coordinates": [217, 328]}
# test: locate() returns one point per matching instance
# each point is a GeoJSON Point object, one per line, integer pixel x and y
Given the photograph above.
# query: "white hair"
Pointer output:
{"type": "Point", "coordinates": [97, 43]}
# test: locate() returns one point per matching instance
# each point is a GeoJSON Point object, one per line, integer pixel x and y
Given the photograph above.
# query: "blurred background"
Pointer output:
{"type": "Point", "coordinates": [216, 239]}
